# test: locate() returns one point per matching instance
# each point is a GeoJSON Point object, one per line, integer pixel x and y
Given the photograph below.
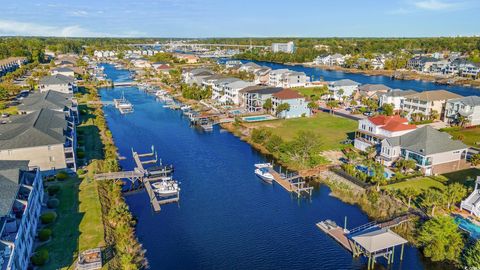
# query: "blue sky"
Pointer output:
{"type": "Point", "coordinates": [240, 18]}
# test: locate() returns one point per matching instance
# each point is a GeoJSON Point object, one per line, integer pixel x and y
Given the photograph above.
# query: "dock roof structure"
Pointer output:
{"type": "Point", "coordinates": [378, 240]}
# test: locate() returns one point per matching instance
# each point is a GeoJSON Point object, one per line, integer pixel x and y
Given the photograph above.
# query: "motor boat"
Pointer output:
{"type": "Point", "coordinates": [263, 172]}
{"type": "Point", "coordinates": [263, 165]}
{"type": "Point", "coordinates": [166, 187]}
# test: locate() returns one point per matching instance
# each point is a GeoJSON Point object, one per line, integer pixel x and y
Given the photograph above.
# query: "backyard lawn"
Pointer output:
{"type": "Point", "coordinates": [310, 91]}
{"type": "Point", "coordinates": [79, 225]}
{"type": "Point", "coordinates": [420, 183]}
{"type": "Point", "coordinates": [470, 136]}
{"type": "Point", "coordinates": [331, 129]}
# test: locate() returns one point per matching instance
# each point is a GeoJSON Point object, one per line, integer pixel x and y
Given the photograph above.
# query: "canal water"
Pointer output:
{"type": "Point", "coordinates": [227, 218]}
{"type": "Point", "coordinates": [331, 75]}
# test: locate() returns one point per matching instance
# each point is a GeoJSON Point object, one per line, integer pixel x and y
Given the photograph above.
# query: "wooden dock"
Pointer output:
{"type": "Point", "coordinates": [141, 177]}
{"type": "Point", "coordinates": [291, 184]}
{"type": "Point", "coordinates": [337, 233]}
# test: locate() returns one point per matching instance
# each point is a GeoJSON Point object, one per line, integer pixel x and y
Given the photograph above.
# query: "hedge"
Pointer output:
{"type": "Point", "coordinates": [52, 190]}
{"type": "Point", "coordinates": [53, 203]}
{"type": "Point", "coordinates": [62, 175]}
{"type": "Point", "coordinates": [44, 234]}
{"type": "Point", "coordinates": [48, 218]}
{"type": "Point", "coordinates": [40, 257]}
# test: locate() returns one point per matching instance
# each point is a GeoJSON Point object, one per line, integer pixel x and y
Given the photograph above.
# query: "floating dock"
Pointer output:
{"type": "Point", "coordinates": [142, 177]}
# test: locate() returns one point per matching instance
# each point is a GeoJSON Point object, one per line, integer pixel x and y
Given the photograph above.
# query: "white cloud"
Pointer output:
{"type": "Point", "coordinates": [435, 5]}
{"type": "Point", "coordinates": [8, 27]}
{"type": "Point", "coordinates": [79, 13]}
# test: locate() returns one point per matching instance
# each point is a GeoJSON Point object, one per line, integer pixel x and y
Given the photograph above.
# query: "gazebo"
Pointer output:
{"type": "Point", "coordinates": [377, 243]}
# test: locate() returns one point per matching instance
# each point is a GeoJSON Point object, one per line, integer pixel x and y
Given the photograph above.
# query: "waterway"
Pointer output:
{"type": "Point", "coordinates": [332, 75]}
{"type": "Point", "coordinates": [227, 218]}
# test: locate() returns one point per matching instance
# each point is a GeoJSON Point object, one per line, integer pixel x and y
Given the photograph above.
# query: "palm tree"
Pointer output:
{"type": "Point", "coordinates": [454, 194]}
{"type": "Point", "coordinates": [332, 104]}
{"type": "Point", "coordinates": [434, 115]}
{"type": "Point", "coordinates": [267, 105]}
{"type": "Point", "coordinates": [282, 107]}
{"type": "Point", "coordinates": [410, 192]}
{"type": "Point", "coordinates": [433, 198]}
{"type": "Point", "coordinates": [312, 105]}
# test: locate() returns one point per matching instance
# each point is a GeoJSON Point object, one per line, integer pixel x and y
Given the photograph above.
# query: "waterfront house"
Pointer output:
{"type": "Point", "coordinates": [59, 83]}
{"type": "Point", "coordinates": [231, 91]}
{"type": "Point", "coordinates": [330, 60]}
{"type": "Point", "coordinates": [434, 152]}
{"type": "Point", "coordinates": [11, 64]}
{"type": "Point", "coordinates": [378, 62]}
{"type": "Point", "coordinates": [21, 199]}
{"type": "Point", "coordinates": [249, 67]}
{"type": "Point", "coordinates": [469, 69]}
{"type": "Point", "coordinates": [253, 97]}
{"type": "Point", "coordinates": [467, 107]}
{"type": "Point", "coordinates": [298, 104]}
{"type": "Point", "coordinates": [233, 64]}
{"type": "Point", "coordinates": [288, 47]}
{"type": "Point", "coordinates": [421, 63]}
{"type": "Point", "coordinates": [287, 78]}
{"type": "Point", "coordinates": [371, 131]}
{"type": "Point", "coordinates": [63, 71]}
{"type": "Point", "coordinates": [348, 87]}
{"type": "Point", "coordinates": [395, 97]}
{"type": "Point", "coordinates": [428, 101]}
{"type": "Point", "coordinates": [195, 76]}
{"type": "Point", "coordinates": [373, 91]}
{"type": "Point", "coordinates": [46, 138]}
{"type": "Point", "coordinates": [262, 75]}
{"type": "Point", "coordinates": [218, 87]}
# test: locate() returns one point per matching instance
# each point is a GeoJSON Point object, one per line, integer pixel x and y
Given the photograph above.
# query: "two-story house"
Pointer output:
{"type": "Point", "coordinates": [63, 71]}
{"type": "Point", "coordinates": [371, 91]}
{"type": "Point", "coordinates": [59, 83]}
{"type": "Point", "coordinates": [371, 131]}
{"type": "Point", "coordinates": [254, 97]}
{"type": "Point", "coordinates": [467, 107]}
{"type": "Point", "coordinates": [433, 151]}
{"type": "Point", "coordinates": [195, 76]}
{"type": "Point", "coordinates": [395, 97]}
{"type": "Point", "coordinates": [46, 138]}
{"type": "Point", "coordinates": [298, 106]}
{"type": "Point", "coordinates": [51, 100]}
{"type": "Point", "coordinates": [428, 101]}
{"type": "Point", "coordinates": [286, 78]}
{"type": "Point", "coordinates": [231, 90]}
{"type": "Point", "coordinates": [342, 88]}
{"type": "Point", "coordinates": [21, 198]}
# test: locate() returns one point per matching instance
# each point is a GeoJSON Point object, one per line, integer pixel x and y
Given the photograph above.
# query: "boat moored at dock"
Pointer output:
{"type": "Point", "coordinates": [123, 105]}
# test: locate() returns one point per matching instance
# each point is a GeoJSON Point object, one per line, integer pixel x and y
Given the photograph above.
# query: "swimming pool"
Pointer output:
{"type": "Point", "coordinates": [387, 173]}
{"type": "Point", "coordinates": [258, 118]}
{"type": "Point", "coordinates": [468, 226]}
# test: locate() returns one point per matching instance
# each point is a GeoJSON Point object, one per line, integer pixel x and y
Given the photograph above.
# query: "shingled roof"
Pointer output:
{"type": "Point", "coordinates": [56, 79]}
{"type": "Point", "coordinates": [10, 176]}
{"type": "Point", "coordinates": [48, 100]}
{"type": "Point", "coordinates": [433, 95]}
{"type": "Point", "coordinates": [287, 94]}
{"type": "Point", "coordinates": [426, 141]}
{"type": "Point", "coordinates": [40, 128]}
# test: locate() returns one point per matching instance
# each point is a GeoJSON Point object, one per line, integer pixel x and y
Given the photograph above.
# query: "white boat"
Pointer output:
{"type": "Point", "coordinates": [123, 105]}
{"type": "Point", "coordinates": [263, 165]}
{"type": "Point", "coordinates": [264, 174]}
{"type": "Point", "coordinates": [185, 107]}
{"type": "Point", "coordinates": [166, 187]}
{"type": "Point", "coordinates": [160, 93]}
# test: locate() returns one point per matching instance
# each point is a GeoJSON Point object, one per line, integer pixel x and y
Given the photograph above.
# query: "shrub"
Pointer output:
{"type": "Point", "coordinates": [40, 257]}
{"type": "Point", "coordinates": [52, 190]}
{"type": "Point", "coordinates": [44, 234]}
{"type": "Point", "coordinates": [81, 172]}
{"type": "Point", "coordinates": [48, 218]}
{"type": "Point", "coordinates": [53, 203]}
{"type": "Point", "coordinates": [260, 135]}
{"type": "Point", "coordinates": [62, 175]}
{"type": "Point", "coordinates": [80, 154]}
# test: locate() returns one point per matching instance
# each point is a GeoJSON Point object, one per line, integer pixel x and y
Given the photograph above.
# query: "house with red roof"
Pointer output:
{"type": "Point", "coordinates": [371, 131]}
{"type": "Point", "coordinates": [297, 103]}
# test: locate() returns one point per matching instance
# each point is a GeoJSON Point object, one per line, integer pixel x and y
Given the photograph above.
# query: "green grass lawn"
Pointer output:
{"type": "Point", "coordinates": [331, 129]}
{"type": "Point", "coordinates": [470, 136]}
{"type": "Point", "coordinates": [79, 225]}
{"type": "Point", "coordinates": [466, 177]}
{"type": "Point", "coordinates": [420, 183]}
{"type": "Point", "coordinates": [309, 91]}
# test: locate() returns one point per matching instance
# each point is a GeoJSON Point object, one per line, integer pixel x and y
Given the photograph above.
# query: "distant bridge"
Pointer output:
{"type": "Point", "coordinates": [129, 83]}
